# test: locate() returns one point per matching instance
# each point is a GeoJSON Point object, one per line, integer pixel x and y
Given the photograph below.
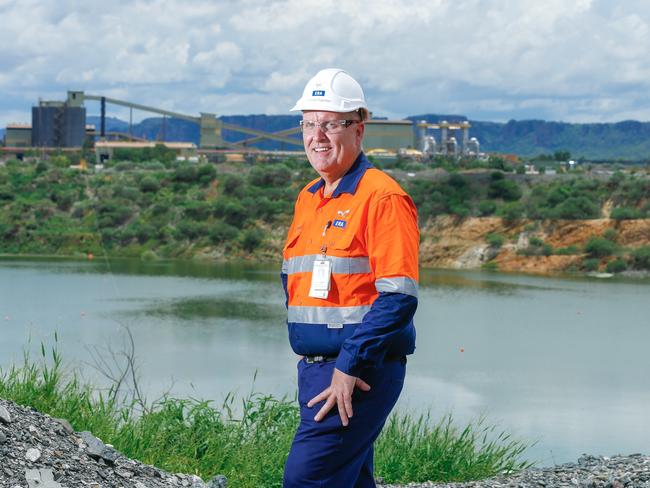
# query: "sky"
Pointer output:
{"type": "Point", "coordinates": [564, 60]}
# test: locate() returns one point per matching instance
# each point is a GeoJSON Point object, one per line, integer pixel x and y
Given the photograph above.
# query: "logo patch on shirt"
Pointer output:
{"type": "Point", "coordinates": [343, 213]}
{"type": "Point", "coordinates": [318, 93]}
{"type": "Point", "coordinates": [340, 223]}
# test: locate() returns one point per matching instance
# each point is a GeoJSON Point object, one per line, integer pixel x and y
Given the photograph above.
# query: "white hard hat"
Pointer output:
{"type": "Point", "coordinates": [332, 90]}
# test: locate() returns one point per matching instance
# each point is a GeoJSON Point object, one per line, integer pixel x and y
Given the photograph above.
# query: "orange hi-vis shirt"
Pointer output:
{"type": "Point", "coordinates": [367, 229]}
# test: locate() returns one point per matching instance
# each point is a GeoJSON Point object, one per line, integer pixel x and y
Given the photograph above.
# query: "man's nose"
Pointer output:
{"type": "Point", "coordinates": [319, 133]}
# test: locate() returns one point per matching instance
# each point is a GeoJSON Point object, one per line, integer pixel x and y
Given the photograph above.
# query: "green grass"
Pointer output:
{"type": "Point", "coordinates": [248, 444]}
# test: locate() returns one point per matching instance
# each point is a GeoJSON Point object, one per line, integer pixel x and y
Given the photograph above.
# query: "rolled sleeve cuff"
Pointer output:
{"type": "Point", "coordinates": [346, 363]}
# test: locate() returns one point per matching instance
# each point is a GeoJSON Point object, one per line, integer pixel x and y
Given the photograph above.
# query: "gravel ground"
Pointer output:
{"type": "Point", "coordinates": [37, 451]}
{"type": "Point", "coordinates": [589, 472]}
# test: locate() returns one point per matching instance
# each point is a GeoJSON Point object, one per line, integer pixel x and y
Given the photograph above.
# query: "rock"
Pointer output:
{"type": "Point", "coordinates": [97, 449]}
{"type": "Point", "coordinates": [67, 427]}
{"type": "Point", "coordinates": [140, 485]}
{"type": "Point", "coordinates": [3, 438]}
{"type": "Point", "coordinates": [219, 481]}
{"type": "Point", "coordinates": [4, 415]}
{"type": "Point", "coordinates": [33, 455]}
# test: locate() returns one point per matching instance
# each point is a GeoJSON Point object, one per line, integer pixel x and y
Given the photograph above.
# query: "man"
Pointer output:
{"type": "Point", "coordinates": [350, 274]}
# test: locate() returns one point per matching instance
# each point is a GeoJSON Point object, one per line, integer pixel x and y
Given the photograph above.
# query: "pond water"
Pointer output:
{"type": "Point", "coordinates": [562, 362]}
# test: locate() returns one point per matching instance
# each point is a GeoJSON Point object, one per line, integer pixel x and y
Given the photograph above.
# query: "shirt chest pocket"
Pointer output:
{"type": "Point", "coordinates": [292, 241]}
{"type": "Point", "coordinates": [345, 252]}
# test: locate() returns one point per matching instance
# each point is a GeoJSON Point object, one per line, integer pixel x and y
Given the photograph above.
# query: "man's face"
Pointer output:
{"type": "Point", "coordinates": [332, 154]}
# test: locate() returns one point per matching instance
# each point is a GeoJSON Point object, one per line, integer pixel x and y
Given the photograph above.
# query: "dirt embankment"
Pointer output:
{"type": "Point", "coordinates": [448, 242]}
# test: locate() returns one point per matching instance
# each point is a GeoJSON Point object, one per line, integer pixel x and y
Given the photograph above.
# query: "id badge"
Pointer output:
{"type": "Point", "coordinates": [320, 278]}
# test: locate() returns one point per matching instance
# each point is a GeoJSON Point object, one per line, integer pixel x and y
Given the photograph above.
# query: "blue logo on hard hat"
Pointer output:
{"type": "Point", "coordinates": [318, 93]}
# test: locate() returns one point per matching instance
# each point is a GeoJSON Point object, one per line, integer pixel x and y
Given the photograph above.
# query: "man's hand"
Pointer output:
{"type": "Point", "coordinates": [339, 393]}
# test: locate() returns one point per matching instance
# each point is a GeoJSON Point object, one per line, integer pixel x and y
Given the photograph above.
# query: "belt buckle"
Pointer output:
{"type": "Point", "coordinates": [314, 359]}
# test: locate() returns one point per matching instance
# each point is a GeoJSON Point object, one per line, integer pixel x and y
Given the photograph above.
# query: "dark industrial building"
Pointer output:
{"type": "Point", "coordinates": [59, 124]}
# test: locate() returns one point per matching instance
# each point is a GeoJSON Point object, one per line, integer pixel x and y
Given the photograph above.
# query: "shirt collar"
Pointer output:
{"type": "Point", "coordinates": [350, 180]}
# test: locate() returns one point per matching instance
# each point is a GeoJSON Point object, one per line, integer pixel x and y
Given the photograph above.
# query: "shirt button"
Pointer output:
{"type": "Point", "coordinates": [309, 241]}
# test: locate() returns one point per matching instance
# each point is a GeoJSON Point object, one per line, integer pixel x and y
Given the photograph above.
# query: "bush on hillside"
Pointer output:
{"type": "Point", "coordinates": [626, 213]}
{"type": "Point", "coordinates": [252, 238]}
{"type": "Point", "coordinates": [221, 232]}
{"type": "Point", "coordinates": [486, 207]}
{"type": "Point", "coordinates": [618, 265]}
{"type": "Point", "coordinates": [575, 208]}
{"type": "Point", "coordinates": [641, 258]}
{"type": "Point", "coordinates": [149, 184]}
{"type": "Point", "coordinates": [495, 240]}
{"type": "Point", "coordinates": [599, 247]}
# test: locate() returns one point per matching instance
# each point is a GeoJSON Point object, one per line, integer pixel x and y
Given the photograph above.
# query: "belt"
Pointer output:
{"type": "Point", "coordinates": [324, 359]}
{"type": "Point", "coordinates": [319, 359]}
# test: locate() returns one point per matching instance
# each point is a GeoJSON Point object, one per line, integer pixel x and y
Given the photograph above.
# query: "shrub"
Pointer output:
{"type": "Point", "coordinates": [186, 173]}
{"type": "Point", "coordinates": [567, 251]}
{"type": "Point", "coordinates": [495, 240]}
{"type": "Point", "coordinates": [575, 208]}
{"type": "Point", "coordinates": [251, 239]}
{"type": "Point", "coordinates": [611, 235]}
{"type": "Point", "coordinates": [149, 184]}
{"type": "Point", "coordinates": [626, 213]}
{"type": "Point", "coordinates": [511, 211]}
{"type": "Point", "coordinates": [590, 264]}
{"type": "Point", "coordinates": [233, 185]}
{"type": "Point", "coordinates": [618, 265]}
{"type": "Point", "coordinates": [206, 173]}
{"type": "Point", "coordinates": [641, 258]}
{"type": "Point", "coordinates": [127, 192]}
{"type": "Point", "coordinates": [113, 213]}
{"type": "Point", "coordinates": [232, 211]}
{"type": "Point", "coordinates": [504, 189]}
{"type": "Point", "coordinates": [486, 207]}
{"type": "Point", "coordinates": [197, 210]}
{"type": "Point", "coordinates": [599, 247]}
{"type": "Point", "coordinates": [276, 175]}
{"type": "Point", "coordinates": [221, 232]}
{"type": "Point", "coordinates": [189, 230]}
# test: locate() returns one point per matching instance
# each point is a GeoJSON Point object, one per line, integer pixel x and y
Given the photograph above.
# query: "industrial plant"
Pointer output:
{"type": "Point", "coordinates": [61, 125]}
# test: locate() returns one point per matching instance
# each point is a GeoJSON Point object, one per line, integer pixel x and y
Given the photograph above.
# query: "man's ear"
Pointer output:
{"type": "Point", "coordinates": [360, 130]}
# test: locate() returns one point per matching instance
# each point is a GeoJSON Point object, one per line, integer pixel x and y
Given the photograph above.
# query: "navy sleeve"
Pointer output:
{"type": "Point", "coordinates": [389, 315]}
{"type": "Point", "coordinates": [284, 277]}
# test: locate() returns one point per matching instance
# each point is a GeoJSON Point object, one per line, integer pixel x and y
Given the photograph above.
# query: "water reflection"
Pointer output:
{"type": "Point", "coordinates": [211, 307]}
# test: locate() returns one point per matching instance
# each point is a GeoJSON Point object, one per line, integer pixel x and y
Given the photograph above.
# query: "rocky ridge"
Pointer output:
{"type": "Point", "coordinates": [37, 451]}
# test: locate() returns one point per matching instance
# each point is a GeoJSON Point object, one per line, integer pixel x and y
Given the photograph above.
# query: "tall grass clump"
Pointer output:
{"type": "Point", "coordinates": [415, 449]}
{"type": "Point", "coordinates": [248, 441]}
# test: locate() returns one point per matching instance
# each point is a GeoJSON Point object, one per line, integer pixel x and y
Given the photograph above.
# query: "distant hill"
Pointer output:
{"type": "Point", "coordinates": [621, 140]}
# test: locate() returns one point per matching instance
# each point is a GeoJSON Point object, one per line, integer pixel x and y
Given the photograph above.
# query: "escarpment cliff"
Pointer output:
{"type": "Point", "coordinates": [523, 246]}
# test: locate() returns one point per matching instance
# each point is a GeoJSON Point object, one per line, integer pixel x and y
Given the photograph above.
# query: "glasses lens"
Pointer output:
{"type": "Point", "coordinates": [331, 126]}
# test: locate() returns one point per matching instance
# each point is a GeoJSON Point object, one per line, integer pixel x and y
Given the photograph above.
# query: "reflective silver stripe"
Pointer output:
{"type": "Point", "coordinates": [328, 315]}
{"type": "Point", "coordinates": [305, 264]}
{"type": "Point", "coordinates": [398, 284]}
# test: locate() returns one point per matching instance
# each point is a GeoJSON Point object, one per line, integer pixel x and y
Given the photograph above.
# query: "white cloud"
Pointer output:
{"type": "Point", "coordinates": [487, 59]}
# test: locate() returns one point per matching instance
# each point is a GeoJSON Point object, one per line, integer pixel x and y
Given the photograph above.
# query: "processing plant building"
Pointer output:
{"type": "Point", "coordinates": [62, 124]}
{"type": "Point", "coordinates": [59, 124]}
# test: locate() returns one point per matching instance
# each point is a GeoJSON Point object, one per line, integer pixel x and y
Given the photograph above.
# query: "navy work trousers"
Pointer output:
{"type": "Point", "coordinates": [326, 454]}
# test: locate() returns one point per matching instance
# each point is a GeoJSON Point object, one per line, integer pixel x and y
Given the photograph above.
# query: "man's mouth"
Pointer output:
{"type": "Point", "coordinates": [321, 149]}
